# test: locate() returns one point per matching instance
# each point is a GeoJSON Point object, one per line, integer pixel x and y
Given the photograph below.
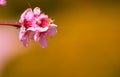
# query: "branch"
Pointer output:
{"type": "Point", "coordinates": [14, 24]}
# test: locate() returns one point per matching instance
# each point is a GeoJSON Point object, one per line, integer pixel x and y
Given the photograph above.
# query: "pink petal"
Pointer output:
{"type": "Point", "coordinates": [24, 39]}
{"type": "Point", "coordinates": [52, 30]}
{"type": "Point", "coordinates": [21, 32]}
{"type": "Point", "coordinates": [27, 14]}
{"type": "Point", "coordinates": [42, 40]}
{"type": "Point", "coordinates": [44, 20]}
{"type": "Point", "coordinates": [36, 36]}
{"type": "Point", "coordinates": [25, 42]}
{"type": "Point", "coordinates": [43, 16]}
{"type": "Point", "coordinates": [36, 11]}
{"type": "Point", "coordinates": [41, 29]}
{"type": "Point", "coordinates": [3, 2]}
{"type": "Point", "coordinates": [26, 36]}
{"type": "Point", "coordinates": [31, 29]}
{"type": "Point", "coordinates": [31, 35]}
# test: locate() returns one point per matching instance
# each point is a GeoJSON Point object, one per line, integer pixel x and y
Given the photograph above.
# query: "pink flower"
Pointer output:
{"type": "Point", "coordinates": [3, 2]}
{"type": "Point", "coordinates": [36, 26]}
{"type": "Point", "coordinates": [41, 36]}
{"type": "Point", "coordinates": [27, 30]}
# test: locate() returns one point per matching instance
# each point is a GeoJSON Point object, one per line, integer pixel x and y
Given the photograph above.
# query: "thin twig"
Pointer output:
{"type": "Point", "coordinates": [14, 24]}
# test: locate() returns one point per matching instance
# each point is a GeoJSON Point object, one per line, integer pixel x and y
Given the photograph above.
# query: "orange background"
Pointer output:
{"type": "Point", "coordinates": [87, 43]}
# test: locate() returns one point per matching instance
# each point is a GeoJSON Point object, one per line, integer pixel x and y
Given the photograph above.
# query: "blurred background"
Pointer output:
{"type": "Point", "coordinates": [87, 43]}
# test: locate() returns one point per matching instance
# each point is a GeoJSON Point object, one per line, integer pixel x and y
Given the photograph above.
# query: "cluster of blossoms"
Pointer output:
{"type": "Point", "coordinates": [35, 25]}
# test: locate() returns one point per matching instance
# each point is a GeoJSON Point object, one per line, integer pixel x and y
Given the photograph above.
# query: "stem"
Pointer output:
{"type": "Point", "coordinates": [14, 24]}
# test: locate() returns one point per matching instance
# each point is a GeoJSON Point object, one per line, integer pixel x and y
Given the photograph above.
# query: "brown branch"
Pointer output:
{"type": "Point", "coordinates": [14, 24]}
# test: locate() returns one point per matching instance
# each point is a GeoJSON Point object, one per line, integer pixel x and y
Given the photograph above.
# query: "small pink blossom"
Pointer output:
{"type": "Point", "coordinates": [3, 2]}
{"type": "Point", "coordinates": [27, 30]}
{"type": "Point", "coordinates": [36, 26]}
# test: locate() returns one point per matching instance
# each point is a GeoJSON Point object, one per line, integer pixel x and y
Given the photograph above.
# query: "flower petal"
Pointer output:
{"type": "Point", "coordinates": [36, 36]}
{"type": "Point", "coordinates": [52, 30]}
{"type": "Point", "coordinates": [25, 42]}
{"type": "Point", "coordinates": [31, 29]}
{"type": "Point", "coordinates": [21, 32]}
{"type": "Point", "coordinates": [36, 11]}
{"type": "Point", "coordinates": [44, 20]}
{"type": "Point", "coordinates": [24, 39]}
{"type": "Point", "coordinates": [26, 15]}
{"type": "Point", "coordinates": [26, 36]}
{"type": "Point", "coordinates": [42, 40]}
{"type": "Point", "coordinates": [31, 35]}
{"type": "Point", "coordinates": [41, 29]}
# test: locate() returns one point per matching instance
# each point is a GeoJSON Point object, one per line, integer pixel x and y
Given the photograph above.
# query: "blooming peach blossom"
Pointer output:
{"type": "Point", "coordinates": [36, 26]}
{"type": "Point", "coordinates": [44, 28]}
